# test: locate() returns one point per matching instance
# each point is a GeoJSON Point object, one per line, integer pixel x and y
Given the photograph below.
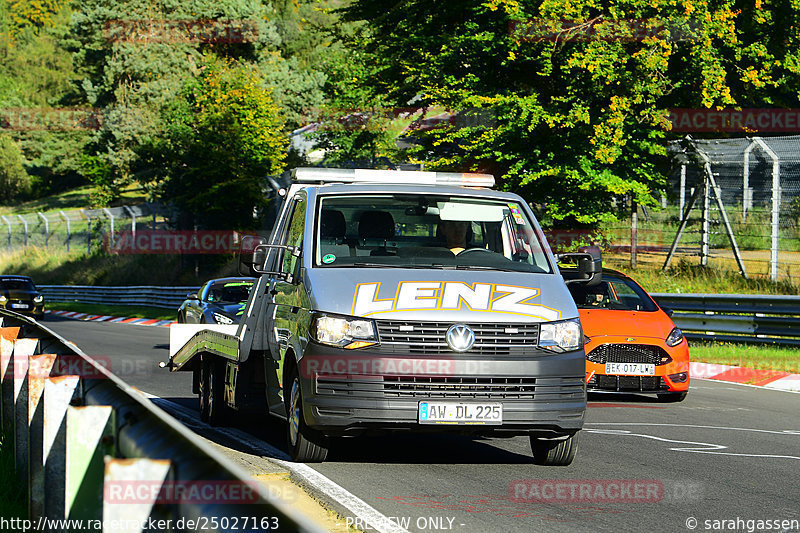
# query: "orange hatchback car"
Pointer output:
{"type": "Point", "coordinates": [632, 345]}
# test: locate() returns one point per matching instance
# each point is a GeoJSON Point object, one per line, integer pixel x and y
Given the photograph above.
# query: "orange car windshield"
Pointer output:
{"type": "Point", "coordinates": [612, 293]}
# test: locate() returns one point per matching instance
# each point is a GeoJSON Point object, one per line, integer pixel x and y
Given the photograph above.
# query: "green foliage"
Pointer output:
{"type": "Point", "coordinates": [575, 120]}
{"type": "Point", "coordinates": [222, 137]}
{"type": "Point", "coordinates": [14, 181]}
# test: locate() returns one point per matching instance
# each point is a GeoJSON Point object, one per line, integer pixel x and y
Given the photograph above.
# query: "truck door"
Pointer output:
{"type": "Point", "coordinates": [288, 299]}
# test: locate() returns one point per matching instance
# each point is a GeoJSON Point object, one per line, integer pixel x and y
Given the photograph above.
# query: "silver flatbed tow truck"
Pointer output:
{"type": "Point", "coordinates": [399, 301]}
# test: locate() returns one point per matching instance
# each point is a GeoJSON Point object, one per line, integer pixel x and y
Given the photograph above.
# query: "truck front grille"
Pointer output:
{"type": "Point", "coordinates": [428, 338]}
{"type": "Point", "coordinates": [461, 388]}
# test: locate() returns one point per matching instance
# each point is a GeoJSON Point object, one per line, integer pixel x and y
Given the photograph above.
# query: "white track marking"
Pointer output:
{"type": "Point", "coordinates": [774, 432]}
{"type": "Point", "coordinates": [695, 447]}
{"type": "Point", "coordinates": [360, 509]}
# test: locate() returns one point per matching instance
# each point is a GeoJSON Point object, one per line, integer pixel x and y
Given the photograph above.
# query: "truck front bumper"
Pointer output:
{"type": "Point", "coordinates": [355, 391]}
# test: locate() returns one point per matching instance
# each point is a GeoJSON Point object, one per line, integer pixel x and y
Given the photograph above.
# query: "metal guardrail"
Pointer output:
{"type": "Point", "coordinates": [166, 297]}
{"type": "Point", "coordinates": [91, 448]}
{"type": "Point", "coordinates": [763, 319]}
{"type": "Point", "coordinates": [770, 319]}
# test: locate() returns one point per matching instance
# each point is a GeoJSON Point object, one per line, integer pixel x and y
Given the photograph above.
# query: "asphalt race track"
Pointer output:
{"type": "Point", "coordinates": [722, 460]}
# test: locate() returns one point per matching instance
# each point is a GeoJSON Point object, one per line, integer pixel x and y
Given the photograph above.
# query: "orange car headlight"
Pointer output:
{"type": "Point", "coordinates": [674, 338]}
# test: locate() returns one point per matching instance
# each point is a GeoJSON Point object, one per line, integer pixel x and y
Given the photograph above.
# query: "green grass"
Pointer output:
{"type": "Point", "coordinates": [79, 268]}
{"type": "Point", "coordinates": [686, 276]}
{"type": "Point", "coordinates": [746, 355]}
{"type": "Point", "coordinates": [115, 310]}
{"type": "Point", "coordinates": [13, 500]}
{"type": "Point", "coordinates": [73, 199]}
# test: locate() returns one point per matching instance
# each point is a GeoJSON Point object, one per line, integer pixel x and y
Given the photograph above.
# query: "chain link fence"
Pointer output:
{"type": "Point", "coordinates": [78, 228]}
{"type": "Point", "coordinates": [737, 202]}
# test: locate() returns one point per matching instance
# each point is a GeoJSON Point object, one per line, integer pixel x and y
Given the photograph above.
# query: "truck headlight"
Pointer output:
{"type": "Point", "coordinates": [219, 318]}
{"type": "Point", "coordinates": [343, 332]}
{"type": "Point", "coordinates": [38, 299]}
{"type": "Point", "coordinates": [675, 337]}
{"type": "Point", "coordinates": [561, 336]}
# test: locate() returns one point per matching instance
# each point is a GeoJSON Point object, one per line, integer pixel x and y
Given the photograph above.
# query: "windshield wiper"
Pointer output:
{"type": "Point", "coordinates": [484, 267]}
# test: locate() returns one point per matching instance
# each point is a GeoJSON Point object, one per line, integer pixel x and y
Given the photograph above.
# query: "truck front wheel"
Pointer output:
{"type": "Point", "coordinates": [305, 444]}
{"type": "Point", "coordinates": [550, 452]}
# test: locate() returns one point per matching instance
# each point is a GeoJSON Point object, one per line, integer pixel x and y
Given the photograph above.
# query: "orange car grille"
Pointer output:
{"type": "Point", "coordinates": [626, 383]}
{"type": "Point", "coordinates": [628, 353]}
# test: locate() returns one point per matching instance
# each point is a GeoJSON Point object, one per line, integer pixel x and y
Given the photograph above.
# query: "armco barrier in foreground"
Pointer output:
{"type": "Point", "coordinates": [767, 319]}
{"type": "Point", "coordinates": [91, 448]}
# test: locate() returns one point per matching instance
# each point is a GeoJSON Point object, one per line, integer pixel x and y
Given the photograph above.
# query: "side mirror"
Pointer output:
{"type": "Point", "coordinates": [589, 264]}
{"type": "Point", "coordinates": [252, 255]}
{"type": "Point", "coordinates": [192, 296]}
{"type": "Point", "coordinates": [667, 310]}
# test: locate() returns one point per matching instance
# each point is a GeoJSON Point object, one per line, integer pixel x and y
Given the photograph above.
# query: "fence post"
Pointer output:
{"type": "Point", "coordinates": [25, 223]}
{"type": "Point", "coordinates": [111, 218]}
{"type": "Point", "coordinates": [66, 218]}
{"type": "Point", "coordinates": [88, 231]}
{"type": "Point", "coordinates": [634, 231]}
{"type": "Point", "coordinates": [8, 222]}
{"type": "Point", "coordinates": [133, 220]}
{"type": "Point", "coordinates": [704, 237]}
{"type": "Point", "coordinates": [776, 207]}
{"type": "Point", "coordinates": [46, 229]}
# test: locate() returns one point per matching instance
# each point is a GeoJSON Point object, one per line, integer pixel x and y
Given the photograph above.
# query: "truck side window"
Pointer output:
{"type": "Point", "coordinates": [294, 234]}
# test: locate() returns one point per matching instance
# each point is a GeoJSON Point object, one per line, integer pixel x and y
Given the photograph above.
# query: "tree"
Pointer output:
{"type": "Point", "coordinates": [573, 95]}
{"type": "Point", "coordinates": [222, 138]}
{"type": "Point", "coordinates": [13, 178]}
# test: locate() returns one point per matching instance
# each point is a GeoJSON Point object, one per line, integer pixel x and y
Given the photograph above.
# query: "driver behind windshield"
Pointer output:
{"type": "Point", "coordinates": [455, 234]}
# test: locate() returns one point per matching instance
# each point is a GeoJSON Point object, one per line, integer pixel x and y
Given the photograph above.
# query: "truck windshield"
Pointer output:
{"type": "Point", "coordinates": [427, 231]}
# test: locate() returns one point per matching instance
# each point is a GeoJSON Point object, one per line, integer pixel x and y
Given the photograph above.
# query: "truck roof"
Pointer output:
{"type": "Point", "coordinates": [405, 177]}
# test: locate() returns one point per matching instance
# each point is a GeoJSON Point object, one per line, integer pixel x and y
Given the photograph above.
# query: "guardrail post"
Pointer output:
{"type": "Point", "coordinates": [19, 372]}
{"type": "Point", "coordinates": [39, 368]}
{"type": "Point", "coordinates": [90, 436]}
{"type": "Point", "coordinates": [7, 338]}
{"type": "Point", "coordinates": [122, 479]}
{"type": "Point", "coordinates": [59, 393]}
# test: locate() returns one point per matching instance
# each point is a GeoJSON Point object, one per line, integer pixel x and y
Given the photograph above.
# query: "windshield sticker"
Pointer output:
{"type": "Point", "coordinates": [328, 258]}
{"type": "Point", "coordinates": [518, 218]}
{"type": "Point", "coordinates": [239, 284]}
{"type": "Point", "coordinates": [451, 296]}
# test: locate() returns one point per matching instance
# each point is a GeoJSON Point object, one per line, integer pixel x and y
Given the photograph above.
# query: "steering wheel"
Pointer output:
{"type": "Point", "coordinates": [472, 250]}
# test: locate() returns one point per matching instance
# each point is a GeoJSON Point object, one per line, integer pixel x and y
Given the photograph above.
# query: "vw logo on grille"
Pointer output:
{"type": "Point", "coordinates": [460, 337]}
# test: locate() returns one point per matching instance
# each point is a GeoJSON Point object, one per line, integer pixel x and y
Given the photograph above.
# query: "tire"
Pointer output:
{"type": "Point", "coordinates": [219, 414]}
{"type": "Point", "coordinates": [203, 386]}
{"type": "Point", "coordinates": [305, 445]}
{"type": "Point", "coordinates": [549, 452]}
{"type": "Point", "coordinates": [672, 397]}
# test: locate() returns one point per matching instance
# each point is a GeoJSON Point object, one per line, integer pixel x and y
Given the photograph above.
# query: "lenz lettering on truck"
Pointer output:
{"type": "Point", "coordinates": [398, 300]}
